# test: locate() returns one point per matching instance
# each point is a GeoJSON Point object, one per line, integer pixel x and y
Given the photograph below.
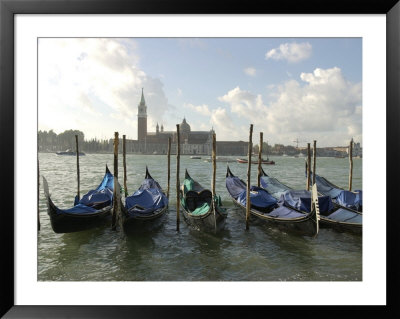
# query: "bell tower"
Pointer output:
{"type": "Point", "coordinates": [142, 119]}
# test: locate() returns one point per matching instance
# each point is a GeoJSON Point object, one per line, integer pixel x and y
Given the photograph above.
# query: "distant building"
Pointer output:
{"type": "Point", "coordinates": [192, 142]}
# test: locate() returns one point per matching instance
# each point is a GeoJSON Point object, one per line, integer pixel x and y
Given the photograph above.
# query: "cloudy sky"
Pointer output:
{"type": "Point", "coordinates": [289, 88]}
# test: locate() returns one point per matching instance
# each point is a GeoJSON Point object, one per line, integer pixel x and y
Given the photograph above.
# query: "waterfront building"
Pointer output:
{"type": "Point", "coordinates": [192, 142]}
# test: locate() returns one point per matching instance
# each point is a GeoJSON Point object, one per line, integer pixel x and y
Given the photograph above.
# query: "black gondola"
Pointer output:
{"type": "Point", "coordinates": [92, 210]}
{"type": "Point", "coordinates": [332, 215]}
{"type": "Point", "coordinates": [200, 210]}
{"type": "Point", "coordinates": [264, 207]}
{"type": "Point", "coordinates": [144, 209]}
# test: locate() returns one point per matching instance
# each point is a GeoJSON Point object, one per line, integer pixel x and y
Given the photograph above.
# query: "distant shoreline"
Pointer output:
{"type": "Point", "coordinates": [203, 155]}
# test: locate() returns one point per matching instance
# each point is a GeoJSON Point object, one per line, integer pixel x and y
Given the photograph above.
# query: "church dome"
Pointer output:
{"type": "Point", "coordinates": [185, 127]}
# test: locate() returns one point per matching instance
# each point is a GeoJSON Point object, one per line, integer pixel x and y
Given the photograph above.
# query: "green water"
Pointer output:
{"type": "Point", "coordinates": [260, 254]}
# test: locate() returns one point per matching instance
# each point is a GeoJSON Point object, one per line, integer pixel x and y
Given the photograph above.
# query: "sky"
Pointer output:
{"type": "Point", "coordinates": [290, 89]}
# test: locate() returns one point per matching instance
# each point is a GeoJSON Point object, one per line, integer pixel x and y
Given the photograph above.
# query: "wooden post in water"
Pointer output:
{"type": "Point", "coordinates": [116, 184]}
{"type": "Point", "coordinates": [260, 159]}
{"type": "Point", "coordinates": [308, 166]}
{"type": "Point", "coordinates": [124, 163]}
{"type": "Point", "coordinates": [351, 164]}
{"type": "Point", "coordinates": [248, 177]}
{"type": "Point", "coordinates": [214, 175]}
{"type": "Point", "coordinates": [314, 161]}
{"type": "Point", "coordinates": [178, 150]}
{"type": "Point", "coordinates": [169, 165]}
{"type": "Point", "coordinates": [77, 165]}
{"type": "Point", "coordinates": [38, 184]}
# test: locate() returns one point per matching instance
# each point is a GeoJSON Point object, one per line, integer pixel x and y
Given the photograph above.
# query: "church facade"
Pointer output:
{"type": "Point", "coordinates": [192, 142]}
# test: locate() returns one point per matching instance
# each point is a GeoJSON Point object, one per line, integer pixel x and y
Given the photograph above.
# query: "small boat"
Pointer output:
{"type": "Point", "coordinates": [70, 152]}
{"type": "Point", "coordinates": [220, 159]}
{"type": "Point", "coordinates": [92, 210]}
{"type": "Point", "coordinates": [195, 157]}
{"type": "Point", "coordinates": [145, 208]}
{"type": "Point", "coordinates": [265, 207]}
{"type": "Point", "coordinates": [331, 215]}
{"type": "Point", "coordinates": [200, 210]}
{"type": "Point", "coordinates": [244, 160]}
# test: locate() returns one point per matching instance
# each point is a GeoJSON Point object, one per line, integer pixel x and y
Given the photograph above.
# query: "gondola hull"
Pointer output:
{"type": "Point", "coordinates": [340, 218]}
{"type": "Point", "coordinates": [144, 211]}
{"type": "Point", "coordinates": [340, 226]}
{"type": "Point", "coordinates": [209, 222]}
{"type": "Point", "coordinates": [264, 209]}
{"type": "Point", "coordinates": [132, 224]}
{"type": "Point", "coordinates": [93, 210]}
{"type": "Point", "coordinates": [69, 223]}
{"type": "Point", "coordinates": [195, 214]}
{"type": "Point", "coordinates": [305, 226]}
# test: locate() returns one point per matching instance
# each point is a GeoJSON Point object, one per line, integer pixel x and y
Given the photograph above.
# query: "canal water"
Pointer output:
{"type": "Point", "coordinates": [260, 254]}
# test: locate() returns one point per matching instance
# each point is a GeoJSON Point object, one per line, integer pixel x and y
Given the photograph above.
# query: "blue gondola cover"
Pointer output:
{"type": "Point", "coordinates": [273, 186]}
{"type": "Point", "coordinates": [301, 200]}
{"type": "Point", "coordinates": [146, 199]}
{"type": "Point", "coordinates": [102, 195]}
{"type": "Point", "coordinates": [350, 200]}
{"type": "Point", "coordinates": [258, 197]}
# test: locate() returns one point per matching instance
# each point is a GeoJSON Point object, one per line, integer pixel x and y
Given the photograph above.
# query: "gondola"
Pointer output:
{"type": "Point", "coordinates": [264, 207]}
{"type": "Point", "coordinates": [331, 215]}
{"type": "Point", "coordinates": [199, 209]}
{"type": "Point", "coordinates": [341, 197]}
{"type": "Point", "coordinates": [144, 209]}
{"type": "Point", "coordinates": [92, 210]}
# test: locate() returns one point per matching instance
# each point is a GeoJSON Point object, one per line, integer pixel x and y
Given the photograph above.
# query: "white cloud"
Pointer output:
{"type": "Point", "coordinates": [324, 106]}
{"type": "Point", "coordinates": [89, 79]}
{"type": "Point", "coordinates": [250, 71]}
{"type": "Point", "coordinates": [292, 52]}
{"type": "Point", "coordinates": [224, 126]}
{"type": "Point", "coordinates": [201, 109]}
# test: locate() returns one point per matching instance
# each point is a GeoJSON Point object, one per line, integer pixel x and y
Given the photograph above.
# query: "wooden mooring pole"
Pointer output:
{"type": "Point", "coordinates": [260, 159]}
{"type": "Point", "coordinates": [38, 184]}
{"type": "Point", "coordinates": [124, 163]}
{"type": "Point", "coordinates": [351, 164]}
{"type": "Point", "coordinates": [178, 150]}
{"type": "Point", "coordinates": [314, 161]}
{"type": "Point", "coordinates": [77, 165]}
{"type": "Point", "coordinates": [308, 166]}
{"type": "Point", "coordinates": [116, 199]}
{"type": "Point", "coordinates": [248, 204]}
{"type": "Point", "coordinates": [214, 175]}
{"type": "Point", "coordinates": [169, 165]}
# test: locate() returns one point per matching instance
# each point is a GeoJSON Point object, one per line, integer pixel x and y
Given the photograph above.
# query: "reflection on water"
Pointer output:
{"type": "Point", "coordinates": [261, 254]}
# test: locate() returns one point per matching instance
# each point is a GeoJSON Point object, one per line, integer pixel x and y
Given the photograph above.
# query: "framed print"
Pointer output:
{"type": "Point", "coordinates": [77, 73]}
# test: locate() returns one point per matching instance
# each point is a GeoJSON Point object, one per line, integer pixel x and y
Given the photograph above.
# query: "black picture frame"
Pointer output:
{"type": "Point", "coordinates": [8, 10]}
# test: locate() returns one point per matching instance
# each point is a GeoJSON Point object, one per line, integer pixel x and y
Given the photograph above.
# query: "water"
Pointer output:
{"type": "Point", "coordinates": [260, 254]}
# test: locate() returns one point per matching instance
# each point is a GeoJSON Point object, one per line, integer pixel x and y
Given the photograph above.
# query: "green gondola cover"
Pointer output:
{"type": "Point", "coordinates": [204, 206]}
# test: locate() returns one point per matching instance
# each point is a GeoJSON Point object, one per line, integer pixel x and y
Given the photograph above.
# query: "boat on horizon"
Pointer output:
{"type": "Point", "coordinates": [69, 152]}
{"type": "Point", "coordinates": [244, 161]}
{"type": "Point", "coordinates": [220, 159]}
